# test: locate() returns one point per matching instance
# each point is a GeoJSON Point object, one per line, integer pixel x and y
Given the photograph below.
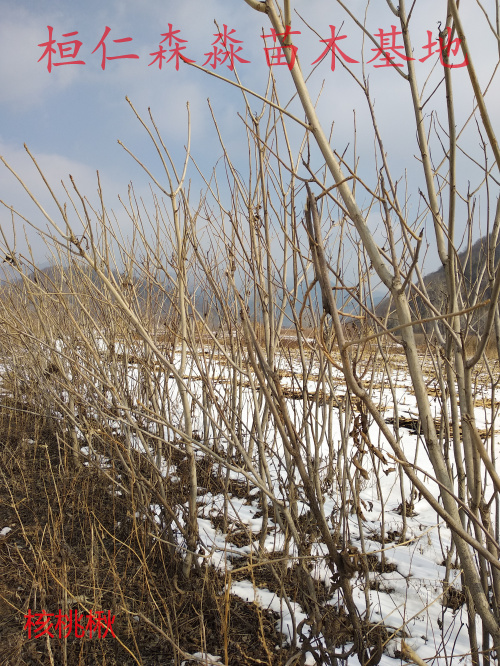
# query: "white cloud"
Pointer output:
{"type": "Point", "coordinates": [24, 82]}
{"type": "Point", "coordinates": [55, 168]}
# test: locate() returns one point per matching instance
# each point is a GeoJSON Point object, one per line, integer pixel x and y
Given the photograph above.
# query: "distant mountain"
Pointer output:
{"type": "Point", "coordinates": [472, 287]}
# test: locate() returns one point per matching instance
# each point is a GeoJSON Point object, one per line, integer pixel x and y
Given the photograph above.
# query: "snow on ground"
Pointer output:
{"type": "Point", "coordinates": [408, 595]}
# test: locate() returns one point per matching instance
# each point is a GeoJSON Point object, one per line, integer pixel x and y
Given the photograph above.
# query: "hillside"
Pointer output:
{"type": "Point", "coordinates": [473, 287]}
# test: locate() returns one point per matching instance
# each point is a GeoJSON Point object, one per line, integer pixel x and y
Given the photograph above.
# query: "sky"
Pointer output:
{"type": "Point", "coordinates": [72, 117]}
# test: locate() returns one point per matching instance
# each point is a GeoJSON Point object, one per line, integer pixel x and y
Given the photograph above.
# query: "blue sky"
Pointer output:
{"type": "Point", "coordinates": [72, 117]}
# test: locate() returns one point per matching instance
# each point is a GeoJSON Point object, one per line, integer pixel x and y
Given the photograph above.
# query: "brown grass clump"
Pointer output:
{"type": "Point", "coordinates": [76, 545]}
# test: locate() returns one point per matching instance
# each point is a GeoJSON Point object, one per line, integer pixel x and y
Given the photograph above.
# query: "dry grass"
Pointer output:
{"type": "Point", "coordinates": [75, 544]}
